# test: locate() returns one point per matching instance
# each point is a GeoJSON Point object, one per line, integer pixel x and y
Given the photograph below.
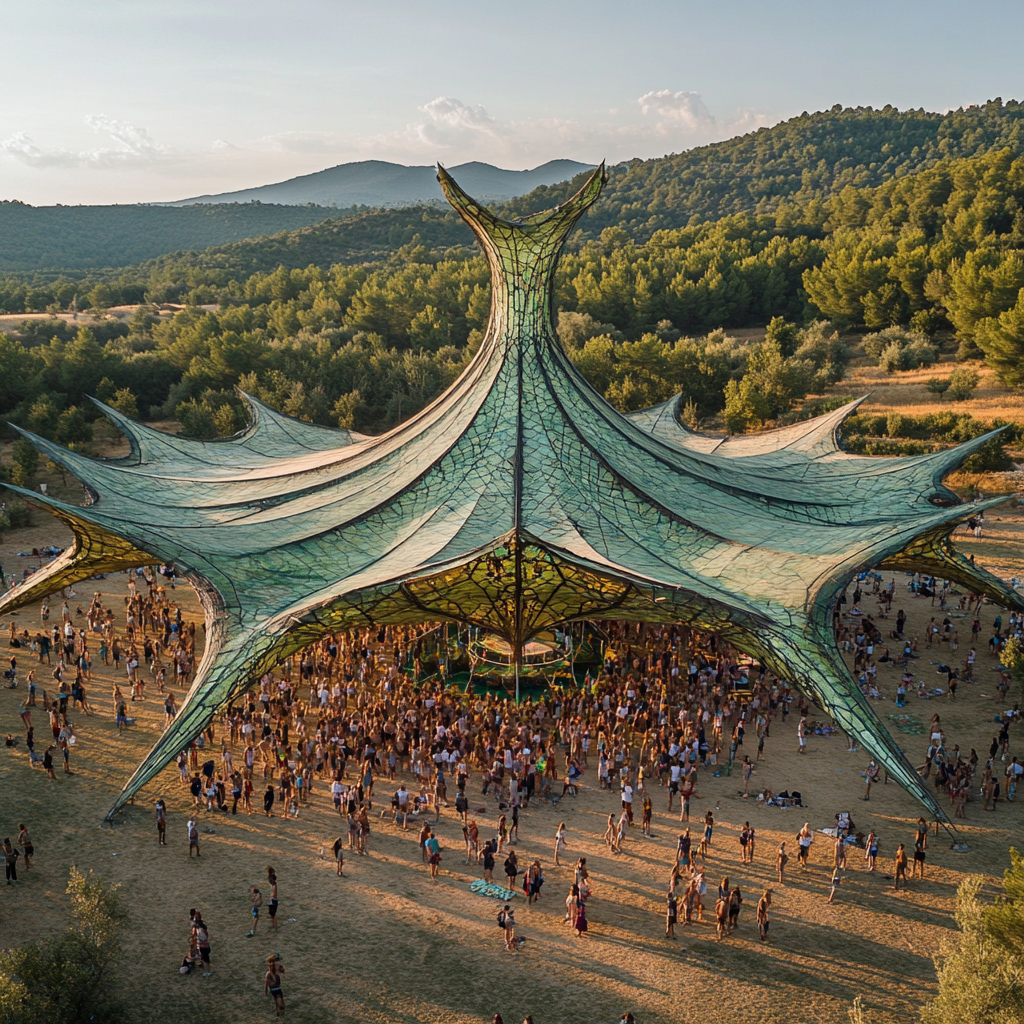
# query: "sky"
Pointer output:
{"type": "Point", "coordinates": [156, 100]}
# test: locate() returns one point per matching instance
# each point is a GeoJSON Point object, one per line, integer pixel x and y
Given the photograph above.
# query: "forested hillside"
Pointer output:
{"type": "Point", "coordinates": [808, 158]}
{"type": "Point", "coordinates": [365, 345]}
{"type": "Point", "coordinates": [87, 237]}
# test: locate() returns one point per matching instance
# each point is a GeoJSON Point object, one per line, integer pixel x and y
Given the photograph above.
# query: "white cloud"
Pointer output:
{"type": "Point", "coordinates": [446, 129]}
{"type": "Point", "coordinates": [133, 147]}
{"type": "Point", "coordinates": [684, 113]}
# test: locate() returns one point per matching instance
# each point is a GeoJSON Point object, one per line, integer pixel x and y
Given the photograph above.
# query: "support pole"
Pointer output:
{"type": "Point", "coordinates": [519, 662]}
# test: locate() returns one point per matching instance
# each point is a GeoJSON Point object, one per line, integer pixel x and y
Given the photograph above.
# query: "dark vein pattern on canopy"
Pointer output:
{"type": "Point", "coordinates": [519, 499]}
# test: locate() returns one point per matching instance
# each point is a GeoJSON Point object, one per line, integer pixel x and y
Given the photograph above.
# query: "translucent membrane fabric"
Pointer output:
{"type": "Point", "coordinates": [518, 500]}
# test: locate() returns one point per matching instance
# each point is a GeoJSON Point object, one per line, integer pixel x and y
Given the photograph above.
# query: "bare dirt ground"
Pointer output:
{"type": "Point", "coordinates": [385, 944]}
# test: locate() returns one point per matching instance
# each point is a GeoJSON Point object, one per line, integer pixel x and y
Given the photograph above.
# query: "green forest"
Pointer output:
{"type": "Point", "coordinates": [934, 249]}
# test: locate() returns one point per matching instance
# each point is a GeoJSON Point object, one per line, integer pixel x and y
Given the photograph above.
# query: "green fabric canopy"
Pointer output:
{"type": "Point", "coordinates": [517, 500]}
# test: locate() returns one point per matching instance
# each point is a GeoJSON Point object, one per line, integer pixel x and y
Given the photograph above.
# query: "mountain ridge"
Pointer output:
{"type": "Point", "coordinates": [382, 184]}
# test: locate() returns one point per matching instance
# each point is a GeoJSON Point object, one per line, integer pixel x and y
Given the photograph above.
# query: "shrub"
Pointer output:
{"type": "Point", "coordinates": [991, 457]}
{"type": "Point", "coordinates": [875, 344]}
{"type": "Point", "coordinates": [937, 385]}
{"type": "Point", "coordinates": [962, 383]}
{"type": "Point", "coordinates": [891, 358]}
{"type": "Point", "coordinates": [896, 348]}
{"type": "Point", "coordinates": [921, 353]}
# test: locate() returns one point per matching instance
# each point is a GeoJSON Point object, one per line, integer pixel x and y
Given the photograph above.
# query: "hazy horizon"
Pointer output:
{"type": "Point", "coordinates": [145, 102]}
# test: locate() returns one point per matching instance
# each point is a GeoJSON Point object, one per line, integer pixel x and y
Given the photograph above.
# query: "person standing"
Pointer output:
{"type": "Point", "coordinates": [559, 841]}
{"type": "Point", "coordinates": [433, 854]}
{"type": "Point", "coordinates": [900, 867]}
{"type": "Point", "coordinates": [871, 854]}
{"type": "Point", "coordinates": [257, 901]}
{"type": "Point", "coordinates": [804, 839]}
{"type": "Point", "coordinates": [10, 861]}
{"type": "Point", "coordinates": [709, 827]}
{"type": "Point", "coordinates": [762, 914]}
{"type": "Point", "coordinates": [508, 921]}
{"type": "Point", "coordinates": [272, 906]}
{"type": "Point", "coordinates": [25, 842]}
{"type": "Point", "coordinates": [781, 860]}
{"type": "Point", "coordinates": [193, 838]}
{"type": "Point", "coordinates": [671, 914]}
{"type": "Point", "coordinates": [801, 736]}
{"type": "Point", "coordinates": [201, 939]}
{"type": "Point", "coordinates": [272, 983]}
{"type": "Point", "coordinates": [161, 823]}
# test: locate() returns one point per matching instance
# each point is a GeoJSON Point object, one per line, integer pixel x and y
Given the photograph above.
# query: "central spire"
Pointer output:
{"type": "Point", "coordinates": [523, 255]}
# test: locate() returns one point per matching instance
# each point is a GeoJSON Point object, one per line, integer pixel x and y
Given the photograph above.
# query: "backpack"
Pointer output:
{"type": "Point", "coordinates": [501, 918]}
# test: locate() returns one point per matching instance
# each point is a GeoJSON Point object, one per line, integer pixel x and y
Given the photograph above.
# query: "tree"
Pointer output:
{"type": "Point", "coordinates": [981, 969]}
{"type": "Point", "coordinates": [962, 383]}
{"type": "Point", "coordinates": [196, 419]}
{"type": "Point", "coordinates": [26, 463]}
{"type": "Point", "coordinates": [779, 330]}
{"type": "Point", "coordinates": [68, 979]}
{"type": "Point", "coordinates": [124, 402]}
{"type": "Point", "coordinates": [1012, 657]}
{"type": "Point", "coordinates": [937, 385]}
{"type": "Point", "coordinates": [769, 387]}
{"type": "Point", "coordinates": [1001, 338]}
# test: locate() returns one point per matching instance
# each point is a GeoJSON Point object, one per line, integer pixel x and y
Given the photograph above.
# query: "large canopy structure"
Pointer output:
{"type": "Point", "coordinates": [518, 500]}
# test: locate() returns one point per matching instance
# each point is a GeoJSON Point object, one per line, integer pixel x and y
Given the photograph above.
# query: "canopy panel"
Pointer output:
{"type": "Point", "coordinates": [518, 500]}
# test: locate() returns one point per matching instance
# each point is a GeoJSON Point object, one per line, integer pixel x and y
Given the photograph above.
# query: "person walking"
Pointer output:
{"type": "Point", "coordinates": [579, 924]}
{"type": "Point", "coordinates": [161, 823]}
{"type": "Point", "coordinates": [735, 902]}
{"type": "Point", "coordinates": [836, 879]}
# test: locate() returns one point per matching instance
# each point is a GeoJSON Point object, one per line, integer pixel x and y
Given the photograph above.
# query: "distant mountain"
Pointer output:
{"type": "Point", "coordinates": [382, 184]}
